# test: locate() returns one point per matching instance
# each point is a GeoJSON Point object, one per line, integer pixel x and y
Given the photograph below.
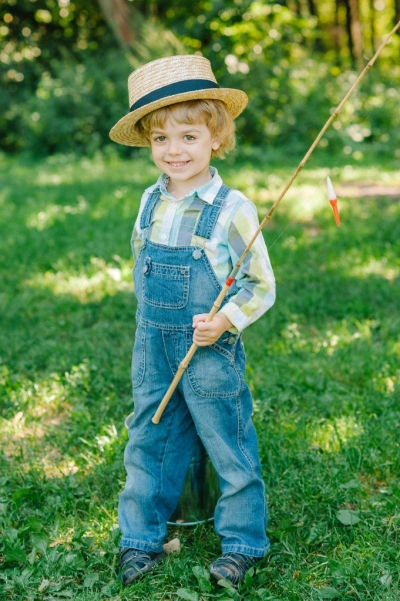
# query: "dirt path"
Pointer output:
{"type": "Point", "coordinates": [358, 189]}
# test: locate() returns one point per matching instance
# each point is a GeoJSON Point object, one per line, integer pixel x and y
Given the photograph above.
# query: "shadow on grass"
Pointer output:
{"type": "Point", "coordinates": [343, 280]}
{"type": "Point", "coordinates": [322, 365]}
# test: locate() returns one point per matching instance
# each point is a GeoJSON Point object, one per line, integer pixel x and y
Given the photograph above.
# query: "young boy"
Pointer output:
{"type": "Point", "coordinates": [190, 231]}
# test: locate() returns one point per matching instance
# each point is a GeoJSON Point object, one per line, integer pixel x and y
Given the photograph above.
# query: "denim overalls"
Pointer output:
{"type": "Point", "coordinates": [212, 400]}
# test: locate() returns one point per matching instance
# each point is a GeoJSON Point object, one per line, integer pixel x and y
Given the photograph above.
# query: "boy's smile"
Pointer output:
{"type": "Point", "coordinates": [183, 152]}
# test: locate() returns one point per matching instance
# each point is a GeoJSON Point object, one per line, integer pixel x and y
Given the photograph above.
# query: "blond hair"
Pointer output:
{"type": "Point", "coordinates": [212, 113]}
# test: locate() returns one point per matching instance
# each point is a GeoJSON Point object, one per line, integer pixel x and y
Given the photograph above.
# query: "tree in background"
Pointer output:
{"type": "Point", "coordinates": [354, 31]}
{"type": "Point", "coordinates": [397, 14]}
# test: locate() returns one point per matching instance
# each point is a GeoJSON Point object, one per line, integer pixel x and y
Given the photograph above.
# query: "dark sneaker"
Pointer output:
{"type": "Point", "coordinates": [134, 563]}
{"type": "Point", "coordinates": [232, 567]}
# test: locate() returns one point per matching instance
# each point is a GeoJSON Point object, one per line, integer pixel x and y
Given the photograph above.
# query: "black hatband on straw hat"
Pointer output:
{"type": "Point", "coordinates": [180, 87]}
{"type": "Point", "coordinates": [168, 81]}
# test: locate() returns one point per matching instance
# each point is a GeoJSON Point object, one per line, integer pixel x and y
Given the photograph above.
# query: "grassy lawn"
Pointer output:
{"type": "Point", "coordinates": [323, 365]}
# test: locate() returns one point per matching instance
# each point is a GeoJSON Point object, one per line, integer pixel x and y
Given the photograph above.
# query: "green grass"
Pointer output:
{"type": "Point", "coordinates": [323, 366]}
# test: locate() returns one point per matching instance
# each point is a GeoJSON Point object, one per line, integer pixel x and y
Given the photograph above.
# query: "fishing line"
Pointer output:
{"type": "Point", "coordinates": [390, 82]}
{"type": "Point", "coordinates": [218, 301]}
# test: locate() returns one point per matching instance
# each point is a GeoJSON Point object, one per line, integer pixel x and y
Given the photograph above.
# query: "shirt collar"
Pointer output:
{"type": "Point", "coordinates": [206, 192]}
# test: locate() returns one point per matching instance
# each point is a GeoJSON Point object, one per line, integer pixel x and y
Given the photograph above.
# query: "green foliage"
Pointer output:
{"type": "Point", "coordinates": [63, 78]}
{"type": "Point", "coordinates": [72, 108]}
{"type": "Point", "coordinates": [291, 70]}
{"type": "Point", "coordinates": [323, 367]}
{"type": "Point", "coordinates": [64, 75]}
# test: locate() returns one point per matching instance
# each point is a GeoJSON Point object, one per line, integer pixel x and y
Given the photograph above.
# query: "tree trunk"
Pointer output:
{"type": "Point", "coordinates": [357, 33]}
{"type": "Point", "coordinates": [312, 9]}
{"type": "Point", "coordinates": [336, 32]}
{"type": "Point", "coordinates": [294, 6]}
{"type": "Point", "coordinates": [349, 31]}
{"type": "Point", "coordinates": [142, 38]}
{"type": "Point", "coordinates": [118, 15]}
{"type": "Point", "coordinates": [372, 24]}
{"type": "Point", "coordinates": [354, 32]}
{"type": "Point", "coordinates": [397, 14]}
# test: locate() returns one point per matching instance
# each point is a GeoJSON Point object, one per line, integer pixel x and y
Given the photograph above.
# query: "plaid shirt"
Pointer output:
{"type": "Point", "coordinates": [174, 222]}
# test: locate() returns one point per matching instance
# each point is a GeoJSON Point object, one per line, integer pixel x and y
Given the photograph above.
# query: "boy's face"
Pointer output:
{"type": "Point", "coordinates": [183, 152]}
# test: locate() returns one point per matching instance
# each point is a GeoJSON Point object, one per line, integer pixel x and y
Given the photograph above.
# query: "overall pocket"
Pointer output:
{"type": "Point", "coordinates": [213, 373]}
{"type": "Point", "coordinates": [165, 286]}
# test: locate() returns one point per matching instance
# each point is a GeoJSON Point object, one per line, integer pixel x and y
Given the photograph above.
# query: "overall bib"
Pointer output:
{"type": "Point", "coordinates": [212, 400]}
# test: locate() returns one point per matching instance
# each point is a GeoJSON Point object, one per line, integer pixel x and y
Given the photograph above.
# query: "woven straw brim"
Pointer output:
{"type": "Point", "coordinates": [124, 131]}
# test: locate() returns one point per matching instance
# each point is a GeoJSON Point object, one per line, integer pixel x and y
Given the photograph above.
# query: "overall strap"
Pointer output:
{"type": "Point", "coordinates": [145, 218]}
{"type": "Point", "coordinates": [210, 213]}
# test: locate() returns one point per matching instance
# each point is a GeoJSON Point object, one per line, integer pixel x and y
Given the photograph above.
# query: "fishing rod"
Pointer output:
{"type": "Point", "coordinates": [231, 278]}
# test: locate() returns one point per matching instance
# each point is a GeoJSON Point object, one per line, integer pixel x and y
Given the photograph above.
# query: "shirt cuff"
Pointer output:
{"type": "Point", "coordinates": [238, 319]}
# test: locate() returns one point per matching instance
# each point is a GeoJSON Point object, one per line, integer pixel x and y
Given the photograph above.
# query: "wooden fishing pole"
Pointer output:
{"type": "Point", "coordinates": [217, 304]}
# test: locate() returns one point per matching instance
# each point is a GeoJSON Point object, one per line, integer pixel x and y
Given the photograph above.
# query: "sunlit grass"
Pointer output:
{"type": "Point", "coordinates": [323, 367]}
{"type": "Point", "coordinates": [97, 281]}
{"type": "Point", "coordinates": [330, 436]}
{"type": "Point", "coordinates": [381, 267]}
{"type": "Point", "coordinates": [52, 213]}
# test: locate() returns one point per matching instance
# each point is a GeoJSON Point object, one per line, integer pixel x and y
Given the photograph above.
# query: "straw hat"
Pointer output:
{"type": "Point", "coordinates": [167, 81]}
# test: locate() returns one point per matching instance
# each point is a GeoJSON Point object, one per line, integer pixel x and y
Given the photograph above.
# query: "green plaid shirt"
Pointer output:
{"type": "Point", "coordinates": [174, 222]}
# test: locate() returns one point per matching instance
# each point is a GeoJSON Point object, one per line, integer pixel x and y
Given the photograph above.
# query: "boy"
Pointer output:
{"type": "Point", "coordinates": [190, 231]}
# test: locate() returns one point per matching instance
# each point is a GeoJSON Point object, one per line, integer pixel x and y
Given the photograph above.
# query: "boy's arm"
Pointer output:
{"type": "Point", "coordinates": [137, 234]}
{"type": "Point", "coordinates": [255, 280]}
{"type": "Point", "coordinates": [136, 241]}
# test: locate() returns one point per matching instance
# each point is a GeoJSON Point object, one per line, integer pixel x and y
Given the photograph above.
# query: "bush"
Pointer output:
{"type": "Point", "coordinates": [73, 107]}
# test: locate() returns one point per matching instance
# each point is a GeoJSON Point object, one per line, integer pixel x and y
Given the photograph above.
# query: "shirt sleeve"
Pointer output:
{"type": "Point", "coordinates": [136, 241]}
{"type": "Point", "coordinates": [255, 279]}
{"type": "Point", "coordinates": [137, 234]}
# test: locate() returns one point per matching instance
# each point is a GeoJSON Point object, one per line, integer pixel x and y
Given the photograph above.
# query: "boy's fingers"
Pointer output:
{"type": "Point", "coordinates": [199, 318]}
{"type": "Point", "coordinates": [205, 326]}
{"type": "Point", "coordinates": [202, 340]}
{"type": "Point", "coordinates": [203, 329]}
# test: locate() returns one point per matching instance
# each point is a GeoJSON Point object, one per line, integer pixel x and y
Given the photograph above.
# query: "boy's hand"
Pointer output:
{"type": "Point", "coordinates": [206, 333]}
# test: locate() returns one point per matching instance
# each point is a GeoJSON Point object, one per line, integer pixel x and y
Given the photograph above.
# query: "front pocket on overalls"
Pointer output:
{"type": "Point", "coordinates": [165, 286]}
{"type": "Point", "coordinates": [212, 373]}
